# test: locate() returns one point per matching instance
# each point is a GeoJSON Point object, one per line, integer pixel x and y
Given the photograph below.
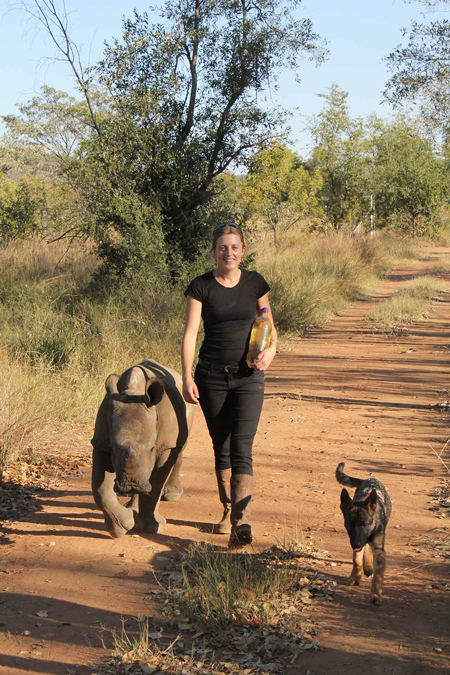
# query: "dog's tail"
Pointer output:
{"type": "Point", "coordinates": [346, 480]}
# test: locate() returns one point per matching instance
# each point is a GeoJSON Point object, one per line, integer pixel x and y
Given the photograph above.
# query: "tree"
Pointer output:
{"type": "Point", "coordinates": [38, 149]}
{"type": "Point", "coordinates": [340, 154]}
{"type": "Point", "coordinates": [18, 210]}
{"type": "Point", "coordinates": [184, 108]}
{"type": "Point", "coordinates": [17, 159]}
{"type": "Point", "coordinates": [421, 69]}
{"type": "Point", "coordinates": [280, 190]}
{"type": "Point", "coordinates": [53, 123]}
{"type": "Point", "coordinates": [228, 203]}
{"type": "Point", "coordinates": [409, 179]}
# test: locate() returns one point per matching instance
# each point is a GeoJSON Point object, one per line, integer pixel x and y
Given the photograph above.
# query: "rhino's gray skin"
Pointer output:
{"type": "Point", "coordinates": [141, 428]}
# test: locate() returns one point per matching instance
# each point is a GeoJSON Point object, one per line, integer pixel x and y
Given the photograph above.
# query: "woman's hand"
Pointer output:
{"type": "Point", "coordinates": [265, 358]}
{"type": "Point", "coordinates": [190, 391]}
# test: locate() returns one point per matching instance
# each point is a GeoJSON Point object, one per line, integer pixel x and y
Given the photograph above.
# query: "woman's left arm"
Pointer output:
{"type": "Point", "coordinates": [265, 358]}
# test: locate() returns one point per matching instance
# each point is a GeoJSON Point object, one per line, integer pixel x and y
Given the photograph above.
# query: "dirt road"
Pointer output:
{"type": "Point", "coordinates": [344, 393]}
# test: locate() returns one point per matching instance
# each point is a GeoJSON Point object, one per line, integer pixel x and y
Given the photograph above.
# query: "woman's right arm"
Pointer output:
{"type": "Point", "coordinates": [192, 324]}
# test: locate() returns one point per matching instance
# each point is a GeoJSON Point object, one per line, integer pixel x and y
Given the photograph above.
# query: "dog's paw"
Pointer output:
{"type": "Point", "coordinates": [353, 581]}
{"type": "Point", "coordinates": [376, 600]}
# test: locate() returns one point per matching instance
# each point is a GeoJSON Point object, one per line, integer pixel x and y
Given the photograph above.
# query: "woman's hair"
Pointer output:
{"type": "Point", "coordinates": [225, 228]}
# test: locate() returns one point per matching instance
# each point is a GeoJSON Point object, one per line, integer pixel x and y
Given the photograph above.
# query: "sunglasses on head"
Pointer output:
{"type": "Point", "coordinates": [219, 227]}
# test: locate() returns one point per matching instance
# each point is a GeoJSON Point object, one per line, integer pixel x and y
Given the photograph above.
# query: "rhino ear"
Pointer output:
{"type": "Point", "coordinates": [111, 384]}
{"type": "Point", "coordinates": [154, 391]}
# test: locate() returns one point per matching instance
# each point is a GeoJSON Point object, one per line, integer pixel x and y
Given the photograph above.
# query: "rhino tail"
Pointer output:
{"type": "Point", "coordinates": [111, 383]}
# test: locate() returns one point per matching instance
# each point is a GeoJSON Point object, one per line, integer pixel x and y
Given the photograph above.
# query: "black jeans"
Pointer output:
{"type": "Point", "coordinates": [231, 404]}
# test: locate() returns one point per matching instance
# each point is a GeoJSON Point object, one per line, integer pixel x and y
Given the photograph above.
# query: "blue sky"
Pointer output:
{"type": "Point", "coordinates": [359, 33]}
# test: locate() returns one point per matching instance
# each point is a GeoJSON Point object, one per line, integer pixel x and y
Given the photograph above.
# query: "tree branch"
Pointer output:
{"type": "Point", "coordinates": [194, 78]}
{"type": "Point", "coordinates": [48, 15]}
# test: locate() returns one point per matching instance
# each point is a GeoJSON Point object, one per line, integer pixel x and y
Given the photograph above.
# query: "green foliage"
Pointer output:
{"type": "Point", "coordinates": [340, 154]}
{"type": "Point", "coordinates": [53, 123]}
{"type": "Point", "coordinates": [18, 210]}
{"type": "Point", "coordinates": [181, 109]}
{"type": "Point", "coordinates": [421, 69]}
{"type": "Point", "coordinates": [227, 201]}
{"type": "Point", "coordinates": [408, 180]}
{"type": "Point", "coordinates": [18, 159]}
{"type": "Point", "coordinates": [280, 190]}
{"type": "Point", "coordinates": [37, 151]}
{"type": "Point", "coordinates": [397, 163]}
{"type": "Point", "coordinates": [132, 243]}
{"type": "Point", "coordinates": [34, 205]}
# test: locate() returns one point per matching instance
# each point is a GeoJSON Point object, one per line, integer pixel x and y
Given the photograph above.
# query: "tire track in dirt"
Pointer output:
{"type": "Point", "coordinates": [365, 398]}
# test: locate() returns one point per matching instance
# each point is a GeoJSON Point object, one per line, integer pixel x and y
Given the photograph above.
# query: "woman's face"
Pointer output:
{"type": "Point", "coordinates": [228, 252]}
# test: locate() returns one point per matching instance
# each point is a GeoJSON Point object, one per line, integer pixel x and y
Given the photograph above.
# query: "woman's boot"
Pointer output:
{"type": "Point", "coordinates": [241, 496]}
{"type": "Point", "coordinates": [223, 483]}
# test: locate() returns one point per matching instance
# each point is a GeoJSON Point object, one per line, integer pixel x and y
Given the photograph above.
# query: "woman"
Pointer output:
{"type": "Point", "coordinates": [230, 393]}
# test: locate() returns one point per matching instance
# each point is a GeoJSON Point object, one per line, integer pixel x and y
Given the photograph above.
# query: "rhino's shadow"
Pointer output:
{"type": "Point", "coordinates": [70, 519]}
{"type": "Point", "coordinates": [176, 543]}
{"type": "Point", "coordinates": [201, 527]}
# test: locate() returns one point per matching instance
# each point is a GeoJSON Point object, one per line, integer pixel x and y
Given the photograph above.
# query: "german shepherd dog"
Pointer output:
{"type": "Point", "coordinates": [366, 517]}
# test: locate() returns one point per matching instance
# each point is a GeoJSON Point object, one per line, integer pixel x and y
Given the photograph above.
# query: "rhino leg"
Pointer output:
{"type": "Point", "coordinates": [119, 519]}
{"type": "Point", "coordinates": [150, 520]}
{"type": "Point", "coordinates": [133, 504]}
{"type": "Point", "coordinates": [173, 490]}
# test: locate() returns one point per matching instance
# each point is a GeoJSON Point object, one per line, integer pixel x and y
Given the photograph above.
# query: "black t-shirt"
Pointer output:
{"type": "Point", "coordinates": [228, 314]}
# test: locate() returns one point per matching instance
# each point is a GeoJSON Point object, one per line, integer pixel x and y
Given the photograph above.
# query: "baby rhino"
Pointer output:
{"type": "Point", "coordinates": [141, 428]}
{"type": "Point", "coordinates": [365, 519]}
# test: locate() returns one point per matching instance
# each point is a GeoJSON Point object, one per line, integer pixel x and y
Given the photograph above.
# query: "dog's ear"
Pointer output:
{"type": "Point", "coordinates": [346, 501]}
{"type": "Point", "coordinates": [370, 503]}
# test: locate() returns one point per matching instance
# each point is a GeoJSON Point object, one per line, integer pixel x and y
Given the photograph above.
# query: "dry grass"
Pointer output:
{"type": "Point", "coordinates": [442, 267]}
{"type": "Point", "coordinates": [61, 340]}
{"type": "Point", "coordinates": [220, 589]}
{"type": "Point", "coordinates": [411, 303]}
{"type": "Point", "coordinates": [223, 612]}
{"type": "Point", "coordinates": [312, 282]}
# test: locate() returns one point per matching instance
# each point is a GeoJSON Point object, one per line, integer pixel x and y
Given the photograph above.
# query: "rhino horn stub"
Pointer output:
{"type": "Point", "coordinates": [154, 391]}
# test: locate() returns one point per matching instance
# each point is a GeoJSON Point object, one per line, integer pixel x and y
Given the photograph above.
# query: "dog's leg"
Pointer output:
{"type": "Point", "coordinates": [368, 561]}
{"type": "Point", "coordinates": [357, 571]}
{"type": "Point", "coordinates": [379, 557]}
